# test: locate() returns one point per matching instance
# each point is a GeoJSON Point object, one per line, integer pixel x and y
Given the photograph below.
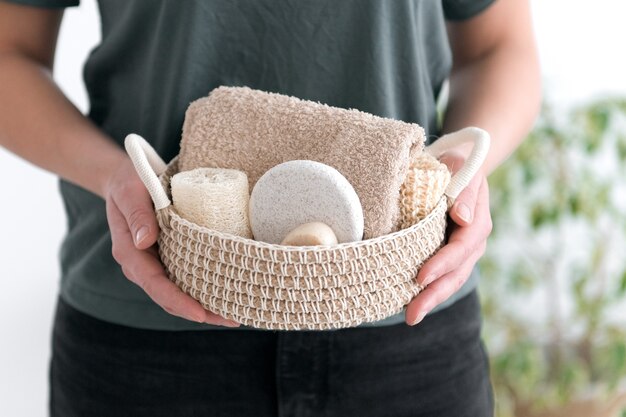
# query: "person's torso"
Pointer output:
{"type": "Point", "coordinates": [385, 57]}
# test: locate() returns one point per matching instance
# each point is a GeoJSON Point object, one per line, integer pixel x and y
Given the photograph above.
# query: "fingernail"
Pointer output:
{"type": "Point", "coordinates": [141, 234]}
{"type": "Point", "coordinates": [464, 212]}
{"type": "Point", "coordinates": [221, 321]}
{"type": "Point", "coordinates": [196, 319]}
{"type": "Point", "coordinates": [429, 278]}
{"type": "Point", "coordinates": [419, 318]}
{"type": "Point", "coordinates": [193, 317]}
{"type": "Point", "coordinates": [229, 323]}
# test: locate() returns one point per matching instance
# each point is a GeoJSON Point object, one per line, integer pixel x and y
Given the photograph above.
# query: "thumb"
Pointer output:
{"type": "Point", "coordinates": [135, 204]}
{"type": "Point", "coordinates": [462, 211]}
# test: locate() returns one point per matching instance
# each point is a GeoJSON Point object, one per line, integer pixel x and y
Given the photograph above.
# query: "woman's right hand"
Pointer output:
{"type": "Point", "coordinates": [134, 231]}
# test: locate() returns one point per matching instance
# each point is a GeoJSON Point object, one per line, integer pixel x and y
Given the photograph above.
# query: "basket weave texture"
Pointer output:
{"type": "Point", "coordinates": [296, 288]}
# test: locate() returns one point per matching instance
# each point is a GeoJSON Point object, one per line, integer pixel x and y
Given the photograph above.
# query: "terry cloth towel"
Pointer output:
{"type": "Point", "coordinates": [253, 131]}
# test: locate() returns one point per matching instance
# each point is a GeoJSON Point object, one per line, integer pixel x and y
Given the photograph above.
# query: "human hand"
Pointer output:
{"type": "Point", "coordinates": [134, 231]}
{"type": "Point", "coordinates": [451, 266]}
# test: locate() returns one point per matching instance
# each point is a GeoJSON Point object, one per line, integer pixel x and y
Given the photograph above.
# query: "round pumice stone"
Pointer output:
{"type": "Point", "coordinates": [301, 191]}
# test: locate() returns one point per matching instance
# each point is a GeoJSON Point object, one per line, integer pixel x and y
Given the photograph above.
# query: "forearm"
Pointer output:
{"type": "Point", "coordinates": [495, 79]}
{"type": "Point", "coordinates": [499, 93]}
{"type": "Point", "coordinates": [494, 85]}
{"type": "Point", "coordinates": [38, 123]}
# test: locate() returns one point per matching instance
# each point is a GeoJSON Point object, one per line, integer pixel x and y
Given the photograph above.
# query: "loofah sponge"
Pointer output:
{"type": "Point", "coordinates": [422, 189]}
{"type": "Point", "coordinates": [215, 198]}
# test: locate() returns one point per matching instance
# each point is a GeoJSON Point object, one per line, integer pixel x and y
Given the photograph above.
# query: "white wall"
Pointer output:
{"type": "Point", "coordinates": [32, 224]}
{"type": "Point", "coordinates": [581, 45]}
{"type": "Point", "coordinates": [582, 53]}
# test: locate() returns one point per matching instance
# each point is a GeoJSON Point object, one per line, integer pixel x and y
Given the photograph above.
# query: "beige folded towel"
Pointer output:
{"type": "Point", "coordinates": [252, 131]}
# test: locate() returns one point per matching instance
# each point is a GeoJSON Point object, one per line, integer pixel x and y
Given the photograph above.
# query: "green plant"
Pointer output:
{"type": "Point", "coordinates": [554, 275]}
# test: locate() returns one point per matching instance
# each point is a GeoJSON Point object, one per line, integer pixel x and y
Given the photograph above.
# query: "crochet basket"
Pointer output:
{"type": "Point", "coordinates": [280, 287]}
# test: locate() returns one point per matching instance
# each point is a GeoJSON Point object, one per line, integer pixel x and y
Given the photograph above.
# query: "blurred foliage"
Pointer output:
{"type": "Point", "coordinates": [554, 275]}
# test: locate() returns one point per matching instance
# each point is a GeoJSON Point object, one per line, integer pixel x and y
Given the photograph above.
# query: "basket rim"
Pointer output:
{"type": "Point", "coordinates": [230, 238]}
{"type": "Point", "coordinates": [172, 168]}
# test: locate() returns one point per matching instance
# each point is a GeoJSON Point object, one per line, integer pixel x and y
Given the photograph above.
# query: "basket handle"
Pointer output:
{"type": "Point", "coordinates": [148, 165]}
{"type": "Point", "coordinates": [462, 177]}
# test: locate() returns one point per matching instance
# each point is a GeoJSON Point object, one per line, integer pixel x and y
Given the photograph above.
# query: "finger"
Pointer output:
{"type": "Point", "coordinates": [438, 292]}
{"type": "Point", "coordinates": [446, 260]}
{"type": "Point", "coordinates": [146, 271]}
{"type": "Point", "coordinates": [216, 319]}
{"type": "Point", "coordinates": [463, 241]}
{"type": "Point", "coordinates": [453, 159]}
{"type": "Point", "coordinates": [173, 300]}
{"type": "Point", "coordinates": [144, 268]}
{"type": "Point", "coordinates": [135, 204]}
{"type": "Point", "coordinates": [463, 210]}
{"type": "Point", "coordinates": [122, 246]}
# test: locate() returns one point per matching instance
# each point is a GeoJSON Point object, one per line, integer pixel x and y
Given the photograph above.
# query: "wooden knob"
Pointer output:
{"type": "Point", "coordinates": [310, 234]}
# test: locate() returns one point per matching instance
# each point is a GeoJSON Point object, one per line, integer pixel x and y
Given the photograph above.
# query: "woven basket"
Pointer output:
{"type": "Point", "coordinates": [298, 288]}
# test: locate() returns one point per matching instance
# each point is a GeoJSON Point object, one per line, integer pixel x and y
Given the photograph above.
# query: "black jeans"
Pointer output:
{"type": "Point", "coordinates": [437, 368]}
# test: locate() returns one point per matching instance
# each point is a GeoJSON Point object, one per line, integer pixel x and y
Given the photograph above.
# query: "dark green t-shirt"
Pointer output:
{"type": "Point", "coordinates": [386, 57]}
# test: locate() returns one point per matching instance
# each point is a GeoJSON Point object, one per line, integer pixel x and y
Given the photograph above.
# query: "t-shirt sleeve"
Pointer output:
{"type": "Point", "coordinates": [50, 4]}
{"type": "Point", "coordinates": [464, 9]}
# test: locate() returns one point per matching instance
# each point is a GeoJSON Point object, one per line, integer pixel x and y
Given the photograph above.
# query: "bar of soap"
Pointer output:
{"type": "Point", "coordinates": [310, 234]}
{"type": "Point", "coordinates": [301, 191]}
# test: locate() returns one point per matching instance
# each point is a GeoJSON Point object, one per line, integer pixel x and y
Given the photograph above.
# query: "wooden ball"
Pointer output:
{"type": "Point", "coordinates": [310, 234]}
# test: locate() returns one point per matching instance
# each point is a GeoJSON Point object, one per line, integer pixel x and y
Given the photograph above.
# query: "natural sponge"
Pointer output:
{"type": "Point", "coordinates": [422, 189]}
{"type": "Point", "coordinates": [215, 198]}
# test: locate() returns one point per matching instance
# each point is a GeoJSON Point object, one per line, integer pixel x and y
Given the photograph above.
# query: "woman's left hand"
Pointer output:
{"type": "Point", "coordinates": [446, 272]}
